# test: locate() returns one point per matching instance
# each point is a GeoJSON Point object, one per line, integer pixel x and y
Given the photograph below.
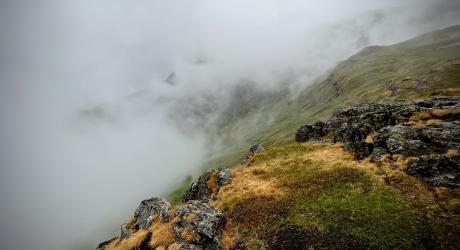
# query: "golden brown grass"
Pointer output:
{"type": "Point", "coordinates": [174, 246]}
{"type": "Point", "coordinates": [134, 241]}
{"type": "Point", "coordinates": [439, 114]}
{"type": "Point", "coordinates": [190, 217]}
{"type": "Point", "coordinates": [370, 137]}
{"type": "Point", "coordinates": [246, 183]}
{"type": "Point", "coordinates": [212, 182]}
{"type": "Point", "coordinates": [453, 153]}
{"type": "Point", "coordinates": [131, 223]}
{"type": "Point", "coordinates": [230, 236]}
{"type": "Point", "coordinates": [187, 235]}
{"type": "Point", "coordinates": [163, 234]}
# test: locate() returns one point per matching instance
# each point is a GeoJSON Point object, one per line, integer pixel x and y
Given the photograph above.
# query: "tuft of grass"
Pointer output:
{"type": "Point", "coordinates": [134, 241]}
{"type": "Point", "coordinates": [212, 182]}
{"type": "Point", "coordinates": [174, 246]}
{"type": "Point", "coordinates": [162, 234]}
{"type": "Point", "coordinates": [187, 235]}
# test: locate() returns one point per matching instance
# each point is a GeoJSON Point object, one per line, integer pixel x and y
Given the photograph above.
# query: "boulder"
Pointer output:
{"type": "Point", "coordinates": [307, 132]}
{"type": "Point", "coordinates": [254, 149]}
{"type": "Point", "coordinates": [203, 189]}
{"type": "Point", "coordinates": [202, 222]}
{"type": "Point", "coordinates": [415, 141]}
{"type": "Point", "coordinates": [436, 170]}
{"type": "Point", "coordinates": [149, 209]}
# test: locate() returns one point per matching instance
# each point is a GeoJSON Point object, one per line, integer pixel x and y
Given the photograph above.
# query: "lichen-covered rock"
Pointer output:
{"type": "Point", "coordinates": [150, 208]}
{"type": "Point", "coordinates": [199, 224]}
{"type": "Point", "coordinates": [126, 231]}
{"type": "Point", "coordinates": [187, 246]}
{"type": "Point", "coordinates": [353, 125]}
{"type": "Point", "coordinates": [376, 129]}
{"type": "Point", "coordinates": [254, 149]}
{"type": "Point", "coordinates": [307, 132]}
{"type": "Point", "coordinates": [414, 141]}
{"type": "Point", "coordinates": [436, 170]}
{"type": "Point", "coordinates": [208, 184]}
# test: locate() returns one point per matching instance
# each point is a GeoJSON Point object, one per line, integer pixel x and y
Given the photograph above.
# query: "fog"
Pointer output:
{"type": "Point", "coordinates": [99, 99]}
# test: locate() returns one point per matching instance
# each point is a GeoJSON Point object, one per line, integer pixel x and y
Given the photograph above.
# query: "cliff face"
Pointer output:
{"type": "Point", "coordinates": [375, 173]}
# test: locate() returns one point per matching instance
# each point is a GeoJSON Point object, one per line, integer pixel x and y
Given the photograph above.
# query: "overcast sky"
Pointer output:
{"type": "Point", "coordinates": [67, 181]}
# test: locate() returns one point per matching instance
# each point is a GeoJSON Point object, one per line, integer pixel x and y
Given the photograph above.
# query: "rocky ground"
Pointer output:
{"type": "Point", "coordinates": [426, 131]}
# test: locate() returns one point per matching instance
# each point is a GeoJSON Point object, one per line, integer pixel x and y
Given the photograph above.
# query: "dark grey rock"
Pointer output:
{"type": "Point", "coordinates": [150, 208]}
{"type": "Point", "coordinates": [436, 170]}
{"type": "Point", "coordinates": [254, 149]}
{"type": "Point", "coordinates": [203, 221]}
{"type": "Point", "coordinates": [125, 231]}
{"type": "Point", "coordinates": [307, 132]}
{"type": "Point", "coordinates": [200, 190]}
{"type": "Point", "coordinates": [351, 126]}
{"type": "Point", "coordinates": [430, 143]}
{"type": "Point", "coordinates": [187, 246]}
{"type": "Point", "coordinates": [415, 141]}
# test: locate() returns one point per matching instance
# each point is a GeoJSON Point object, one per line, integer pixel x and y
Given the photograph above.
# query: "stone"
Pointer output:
{"type": "Point", "coordinates": [203, 221]}
{"type": "Point", "coordinates": [253, 150]}
{"type": "Point", "coordinates": [415, 141]}
{"type": "Point", "coordinates": [149, 209]}
{"type": "Point", "coordinates": [436, 170]}
{"type": "Point", "coordinates": [126, 232]}
{"type": "Point", "coordinates": [200, 190]}
{"type": "Point", "coordinates": [353, 125]}
{"type": "Point", "coordinates": [307, 132]}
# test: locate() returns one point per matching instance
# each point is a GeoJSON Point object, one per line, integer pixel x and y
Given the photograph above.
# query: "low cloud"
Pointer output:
{"type": "Point", "coordinates": [90, 126]}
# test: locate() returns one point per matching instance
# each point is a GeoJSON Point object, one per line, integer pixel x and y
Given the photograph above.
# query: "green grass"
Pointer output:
{"type": "Point", "coordinates": [176, 196]}
{"type": "Point", "coordinates": [339, 199]}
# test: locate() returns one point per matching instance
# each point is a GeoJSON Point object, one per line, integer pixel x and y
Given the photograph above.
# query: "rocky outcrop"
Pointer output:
{"type": "Point", "coordinates": [208, 184]}
{"type": "Point", "coordinates": [199, 225]}
{"type": "Point", "coordinates": [376, 129]}
{"type": "Point", "coordinates": [253, 150]}
{"type": "Point", "coordinates": [194, 225]}
{"type": "Point", "coordinates": [315, 131]}
{"type": "Point", "coordinates": [437, 170]}
{"type": "Point", "coordinates": [151, 208]}
{"type": "Point", "coordinates": [413, 141]}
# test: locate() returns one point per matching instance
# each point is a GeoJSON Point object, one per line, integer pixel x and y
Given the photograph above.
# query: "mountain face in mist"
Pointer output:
{"type": "Point", "coordinates": [377, 167]}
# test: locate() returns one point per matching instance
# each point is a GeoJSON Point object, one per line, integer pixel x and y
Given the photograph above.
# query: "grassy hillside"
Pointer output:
{"type": "Point", "coordinates": [423, 66]}
{"type": "Point", "coordinates": [413, 69]}
{"type": "Point", "coordinates": [318, 195]}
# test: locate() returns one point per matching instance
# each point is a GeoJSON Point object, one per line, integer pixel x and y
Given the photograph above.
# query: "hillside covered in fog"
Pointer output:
{"type": "Point", "coordinates": [262, 124]}
{"type": "Point", "coordinates": [379, 170]}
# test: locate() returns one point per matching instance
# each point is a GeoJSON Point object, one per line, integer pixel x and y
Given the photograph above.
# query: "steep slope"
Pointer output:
{"type": "Point", "coordinates": [384, 174]}
{"type": "Point", "coordinates": [420, 67]}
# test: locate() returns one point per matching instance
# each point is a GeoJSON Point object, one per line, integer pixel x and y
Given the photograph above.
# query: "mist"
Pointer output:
{"type": "Point", "coordinates": [105, 103]}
